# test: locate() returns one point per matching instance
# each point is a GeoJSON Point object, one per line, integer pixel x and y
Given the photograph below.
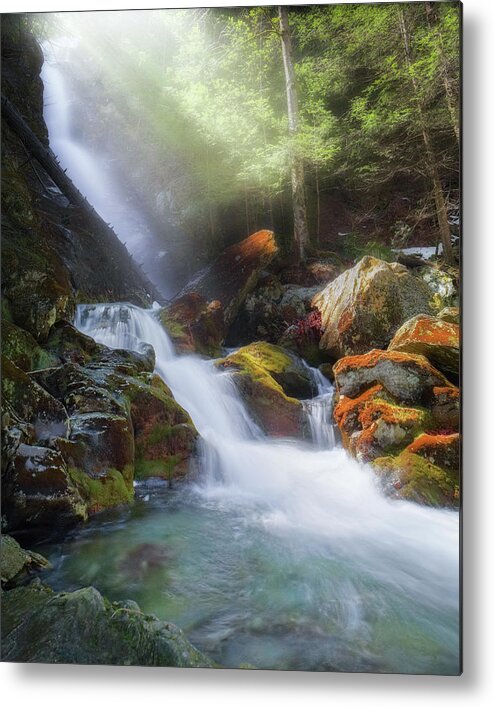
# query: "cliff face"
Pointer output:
{"type": "Point", "coordinates": [55, 253]}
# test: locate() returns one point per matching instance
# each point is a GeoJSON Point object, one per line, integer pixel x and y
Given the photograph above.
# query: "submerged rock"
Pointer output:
{"type": "Point", "coordinates": [271, 381]}
{"type": "Point", "coordinates": [206, 307]}
{"type": "Point", "coordinates": [432, 337]}
{"type": "Point", "coordinates": [82, 627]}
{"type": "Point", "coordinates": [365, 305]}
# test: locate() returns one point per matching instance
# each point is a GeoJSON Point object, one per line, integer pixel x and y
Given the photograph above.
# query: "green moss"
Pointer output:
{"type": "Point", "coordinates": [103, 492]}
{"type": "Point", "coordinates": [23, 350]}
{"type": "Point", "coordinates": [163, 468]}
{"type": "Point", "coordinates": [413, 478]}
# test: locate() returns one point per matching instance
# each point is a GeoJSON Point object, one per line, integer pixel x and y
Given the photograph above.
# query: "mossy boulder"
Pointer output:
{"type": "Point", "coordinates": [411, 477]}
{"type": "Point", "coordinates": [165, 437]}
{"type": "Point", "coordinates": [82, 627]}
{"type": "Point", "coordinates": [20, 347]}
{"type": "Point", "coordinates": [390, 411]}
{"type": "Point", "coordinates": [16, 563]}
{"type": "Point", "coordinates": [271, 380]}
{"type": "Point", "coordinates": [442, 450]}
{"type": "Point", "coordinates": [363, 307]}
{"type": "Point", "coordinates": [374, 424]}
{"type": "Point", "coordinates": [436, 339]}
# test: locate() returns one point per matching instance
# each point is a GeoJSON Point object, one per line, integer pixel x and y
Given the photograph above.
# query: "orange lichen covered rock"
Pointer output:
{"type": "Point", "coordinates": [372, 424]}
{"type": "Point", "coordinates": [436, 339]}
{"type": "Point", "coordinates": [408, 377]}
{"type": "Point", "coordinates": [207, 305]}
{"type": "Point", "coordinates": [363, 307]}
{"type": "Point", "coordinates": [443, 450]}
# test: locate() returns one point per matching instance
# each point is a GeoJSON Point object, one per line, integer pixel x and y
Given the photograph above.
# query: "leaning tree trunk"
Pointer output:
{"type": "Point", "coordinates": [300, 229]}
{"type": "Point", "coordinates": [431, 160]}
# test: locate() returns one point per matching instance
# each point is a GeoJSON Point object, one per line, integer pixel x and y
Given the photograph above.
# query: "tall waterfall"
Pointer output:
{"type": "Point", "coordinates": [306, 491]}
{"type": "Point", "coordinates": [92, 171]}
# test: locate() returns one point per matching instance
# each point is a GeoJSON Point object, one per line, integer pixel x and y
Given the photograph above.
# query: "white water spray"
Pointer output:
{"type": "Point", "coordinates": [320, 495]}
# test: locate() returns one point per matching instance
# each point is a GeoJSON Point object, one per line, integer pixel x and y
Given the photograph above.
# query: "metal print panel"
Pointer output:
{"type": "Point", "coordinates": [231, 338]}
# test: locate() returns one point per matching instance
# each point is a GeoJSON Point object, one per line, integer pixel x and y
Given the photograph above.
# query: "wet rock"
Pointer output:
{"type": "Point", "coordinates": [165, 437]}
{"type": "Point", "coordinates": [82, 627]}
{"type": "Point", "coordinates": [23, 350]}
{"type": "Point", "coordinates": [374, 424]}
{"type": "Point", "coordinates": [363, 307]}
{"type": "Point", "coordinates": [268, 378]}
{"type": "Point", "coordinates": [38, 491]}
{"type": "Point", "coordinates": [206, 307]}
{"type": "Point", "coordinates": [32, 404]}
{"type": "Point", "coordinates": [432, 337]}
{"type": "Point", "coordinates": [442, 450]}
{"type": "Point", "coordinates": [411, 477]}
{"type": "Point", "coordinates": [390, 411]}
{"type": "Point", "coordinates": [16, 562]}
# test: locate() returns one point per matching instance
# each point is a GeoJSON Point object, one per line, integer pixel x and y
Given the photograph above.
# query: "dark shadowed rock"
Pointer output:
{"type": "Point", "coordinates": [207, 306]}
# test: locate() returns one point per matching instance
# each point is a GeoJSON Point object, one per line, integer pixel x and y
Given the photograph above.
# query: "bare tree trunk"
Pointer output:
{"type": "Point", "coordinates": [300, 229]}
{"type": "Point", "coordinates": [431, 161]}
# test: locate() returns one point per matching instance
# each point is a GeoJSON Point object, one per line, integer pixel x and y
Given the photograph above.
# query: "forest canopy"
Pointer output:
{"type": "Point", "coordinates": [193, 105]}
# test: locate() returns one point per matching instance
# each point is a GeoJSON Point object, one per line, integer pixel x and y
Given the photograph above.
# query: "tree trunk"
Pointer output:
{"type": "Point", "coordinates": [431, 161]}
{"type": "Point", "coordinates": [300, 229]}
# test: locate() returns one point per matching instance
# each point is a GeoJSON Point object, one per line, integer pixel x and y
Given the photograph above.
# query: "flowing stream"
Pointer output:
{"type": "Point", "coordinates": [282, 554]}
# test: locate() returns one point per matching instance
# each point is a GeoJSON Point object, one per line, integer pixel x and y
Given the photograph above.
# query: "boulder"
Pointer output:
{"type": "Point", "coordinates": [442, 450]}
{"type": "Point", "coordinates": [413, 478]}
{"type": "Point", "coordinates": [390, 411]}
{"type": "Point", "coordinates": [20, 347]}
{"type": "Point", "coordinates": [365, 305]}
{"type": "Point", "coordinates": [268, 378]}
{"type": "Point", "coordinates": [165, 437]}
{"type": "Point", "coordinates": [443, 283]}
{"type": "Point", "coordinates": [32, 403]}
{"type": "Point", "coordinates": [434, 338]}
{"type": "Point", "coordinates": [38, 492]}
{"type": "Point", "coordinates": [373, 424]}
{"type": "Point", "coordinates": [15, 562]}
{"type": "Point", "coordinates": [450, 314]}
{"type": "Point", "coordinates": [206, 307]}
{"type": "Point", "coordinates": [409, 377]}
{"type": "Point", "coordinates": [82, 627]}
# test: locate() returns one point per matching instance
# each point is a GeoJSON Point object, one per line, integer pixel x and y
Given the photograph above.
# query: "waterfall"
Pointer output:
{"type": "Point", "coordinates": [92, 171]}
{"type": "Point", "coordinates": [319, 411]}
{"type": "Point", "coordinates": [321, 494]}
